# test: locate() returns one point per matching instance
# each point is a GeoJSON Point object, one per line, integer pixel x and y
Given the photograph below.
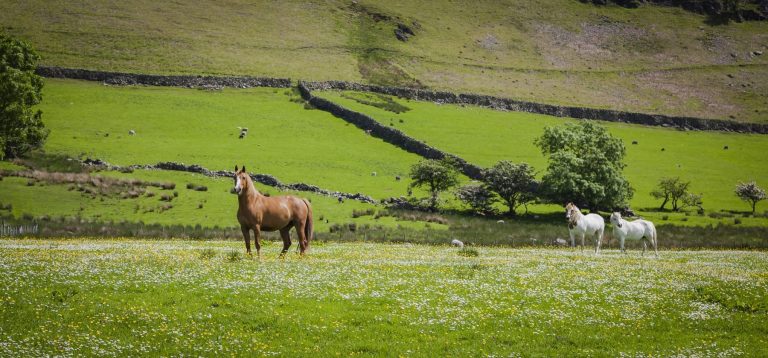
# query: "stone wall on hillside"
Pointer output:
{"type": "Point", "coordinates": [118, 78]}
{"type": "Point", "coordinates": [388, 134]}
{"type": "Point", "coordinates": [498, 103]}
{"type": "Point", "coordinates": [265, 179]}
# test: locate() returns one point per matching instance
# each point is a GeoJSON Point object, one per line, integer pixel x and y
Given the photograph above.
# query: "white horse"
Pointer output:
{"type": "Point", "coordinates": [634, 230]}
{"type": "Point", "coordinates": [582, 225]}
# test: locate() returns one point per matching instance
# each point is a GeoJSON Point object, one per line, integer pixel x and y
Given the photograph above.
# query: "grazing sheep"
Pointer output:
{"type": "Point", "coordinates": [373, 174]}
{"type": "Point", "coordinates": [131, 132]}
{"type": "Point", "coordinates": [397, 177]}
{"type": "Point", "coordinates": [457, 243]}
{"type": "Point", "coordinates": [341, 200]}
{"type": "Point", "coordinates": [725, 148]}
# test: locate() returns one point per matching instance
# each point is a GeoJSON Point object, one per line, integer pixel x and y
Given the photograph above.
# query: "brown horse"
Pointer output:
{"type": "Point", "coordinates": [264, 213]}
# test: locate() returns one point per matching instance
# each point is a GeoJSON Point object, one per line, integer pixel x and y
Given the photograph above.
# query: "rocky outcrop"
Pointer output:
{"type": "Point", "coordinates": [204, 82]}
{"type": "Point", "coordinates": [685, 123]}
{"type": "Point", "coordinates": [265, 179]}
{"type": "Point", "coordinates": [388, 134]}
{"type": "Point", "coordinates": [713, 8]}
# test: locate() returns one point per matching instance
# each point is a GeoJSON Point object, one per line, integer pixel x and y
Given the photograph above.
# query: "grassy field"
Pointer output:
{"type": "Point", "coordinates": [201, 127]}
{"type": "Point", "coordinates": [484, 136]}
{"type": "Point", "coordinates": [652, 59]}
{"type": "Point", "coordinates": [120, 297]}
{"type": "Point", "coordinates": [215, 207]}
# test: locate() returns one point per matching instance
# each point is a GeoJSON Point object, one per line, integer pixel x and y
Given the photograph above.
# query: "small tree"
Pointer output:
{"type": "Point", "coordinates": [692, 200]}
{"type": "Point", "coordinates": [585, 166]}
{"type": "Point", "coordinates": [750, 193]}
{"type": "Point", "coordinates": [21, 127]}
{"type": "Point", "coordinates": [436, 175]}
{"type": "Point", "coordinates": [670, 189]}
{"type": "Point", "coordinates": [515, 183]}
{"type": "Point", "coordinates": [477, 196]}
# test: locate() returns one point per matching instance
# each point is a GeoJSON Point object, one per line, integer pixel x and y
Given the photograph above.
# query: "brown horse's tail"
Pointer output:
{"type": "Point", "coordinates": [308, 229]}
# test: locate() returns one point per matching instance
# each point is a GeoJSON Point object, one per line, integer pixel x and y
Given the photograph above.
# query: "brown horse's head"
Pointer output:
{"type": "Point", "coordinates": [242, 181]}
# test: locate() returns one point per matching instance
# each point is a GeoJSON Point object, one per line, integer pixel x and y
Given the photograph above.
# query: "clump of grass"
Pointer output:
{"type": "Point", "coordinates": [207, 254]}
{"type": "Point", "coordinates": [197, 187]}
{"type": "Point", "coordinates": [363, 212]}
{"type": "Point", "coordinates": [665, 217]}
{"type": "Point", "coordinates": [469, 252]}
{"type": "Point", "coordinates": [234, 256]}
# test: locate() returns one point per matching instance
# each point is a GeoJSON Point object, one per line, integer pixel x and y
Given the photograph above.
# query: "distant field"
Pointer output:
{"type": "Point", "coordinates": [201, 127]}
{"type": "Point", "coordinates": [484, 136]}
{"type": "Point", "coordinates": [219, 207]}
{"type": "Point", "coordinates": [653, 59]}
{"type": "Point", "coordinates": [127, 298]}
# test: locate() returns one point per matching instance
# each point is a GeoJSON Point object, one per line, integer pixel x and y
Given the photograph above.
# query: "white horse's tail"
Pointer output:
{"type": "Point", "coordinates": [652, 236]}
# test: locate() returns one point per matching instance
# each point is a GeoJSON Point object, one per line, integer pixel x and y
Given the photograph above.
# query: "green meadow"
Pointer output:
{"type": "Point", "coordinates": [484, 136]}
{"type": "Point", "coordinates": [83, 297]}
{"type": "Point", "coordinates": [201, 127]}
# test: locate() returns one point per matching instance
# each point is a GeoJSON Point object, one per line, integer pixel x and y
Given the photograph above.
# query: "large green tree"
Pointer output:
{"type": "Point", "coordinates": [21, 127]}
{"type": "Point", "coordinates": [585, 166]}
{"type": "Point", "coordinates": [514, 183]}
{"type": "Point", "coordinates": [436, 175]}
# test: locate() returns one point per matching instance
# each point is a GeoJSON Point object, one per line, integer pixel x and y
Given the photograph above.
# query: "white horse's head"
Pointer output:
{"type": "Point", "coordinates": [616, 219]}
{"type": "Point", "coordinates": [570, 208]}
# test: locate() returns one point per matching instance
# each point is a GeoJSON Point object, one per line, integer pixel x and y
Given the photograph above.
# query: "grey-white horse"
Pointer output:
{"type": "Point", "coordinates": [581, 225]}
{"type": "Point", "coordinates": [634, 230]}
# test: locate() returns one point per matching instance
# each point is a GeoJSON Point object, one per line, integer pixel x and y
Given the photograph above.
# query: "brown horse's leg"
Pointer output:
{"type": "Point", "coordinates": [285, 233]}
{"type": "Point", "coordinates": [247, 237]}
{"type": "Point", "coordinates": [300, 227]}
{"type": "Point", "coordinates": [256, 236]}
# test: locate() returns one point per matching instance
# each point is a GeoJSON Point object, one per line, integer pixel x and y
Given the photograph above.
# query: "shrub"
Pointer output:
{"type": "Point", "coordinates": [477, 196]}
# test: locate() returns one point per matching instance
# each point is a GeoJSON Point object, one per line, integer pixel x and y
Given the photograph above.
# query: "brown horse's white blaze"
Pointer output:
{"type": "Point", "coordinates": [277, 213]}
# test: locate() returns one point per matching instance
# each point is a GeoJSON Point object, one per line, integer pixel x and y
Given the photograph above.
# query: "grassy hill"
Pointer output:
{"type": "Point", "coordinates": [652, 59]}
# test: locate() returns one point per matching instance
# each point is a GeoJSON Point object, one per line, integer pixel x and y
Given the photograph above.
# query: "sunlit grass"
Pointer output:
{"type": "Point", "coordinates": [122, 297]}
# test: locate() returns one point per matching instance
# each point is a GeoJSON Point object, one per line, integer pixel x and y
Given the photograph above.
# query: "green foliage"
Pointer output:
{"type": "Point", "coordinates": [750, 193]}
{"type": "Point", "coordinates": [21, 126]}
{"type": "Point", "coordinates": [514, 183]}
{"type": "Point", "coordinates": [671, 189]}
{"type": "Point", "coordinates": [585, 166]}
{"type": "Point", "coordinates": [436, 176]}
{"type": "Point", "coordinates": [477, 196]}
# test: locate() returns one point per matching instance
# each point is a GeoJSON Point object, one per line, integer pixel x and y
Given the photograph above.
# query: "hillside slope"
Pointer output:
{"type": "Point", "coordinates": [652, 59]}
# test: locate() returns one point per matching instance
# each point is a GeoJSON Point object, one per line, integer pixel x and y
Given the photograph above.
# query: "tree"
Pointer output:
{"type": "Point", "coordinates": [750, 193]}
{"type": "Point", "coordinates": [515, 183]}
{"type": "Point", "coordinates": [670, 189]}
{"type": "Point", "coordinates": [21, 127]}
{"type": "Point", "coordinates": [585, 166]}
{"type": "Point", "coordinates": [477, 196]}
{"type": "Point", "coordinates": [436, 175]}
